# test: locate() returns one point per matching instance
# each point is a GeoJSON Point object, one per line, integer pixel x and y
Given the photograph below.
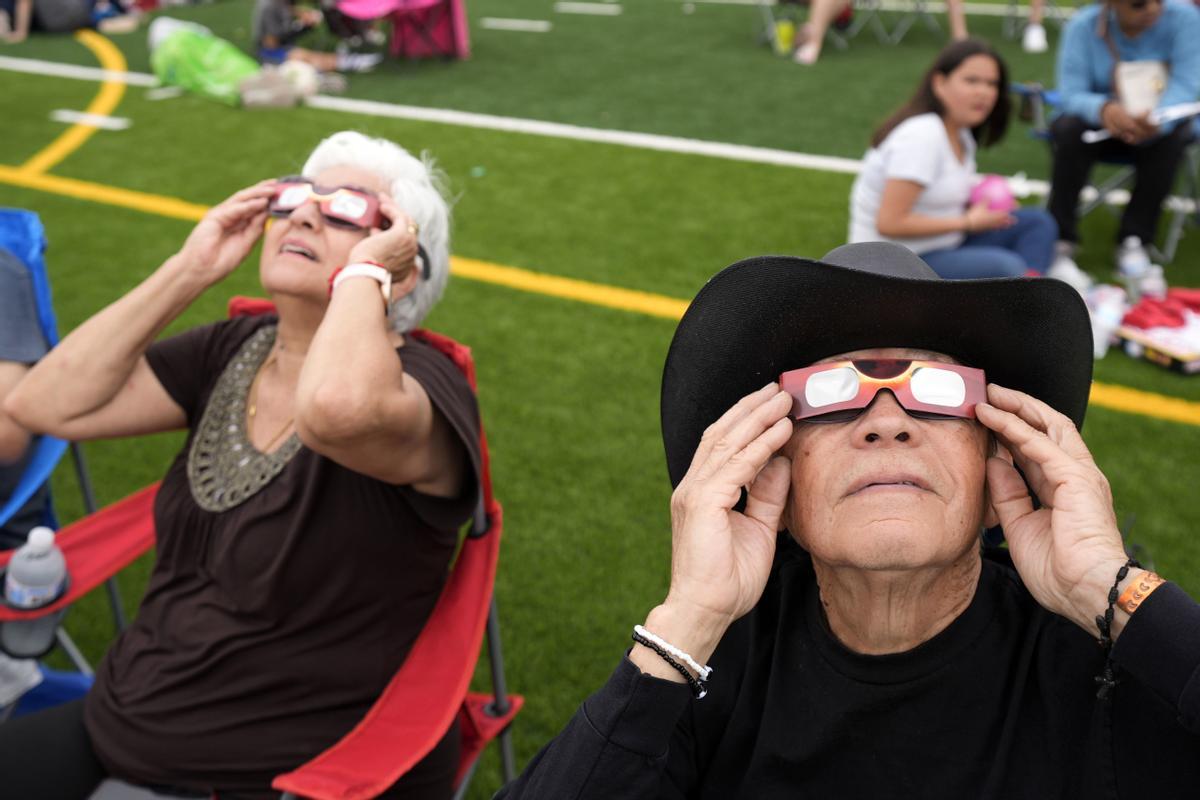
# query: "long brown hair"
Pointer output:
{"type": "Point", "coordinates": [923, 101]}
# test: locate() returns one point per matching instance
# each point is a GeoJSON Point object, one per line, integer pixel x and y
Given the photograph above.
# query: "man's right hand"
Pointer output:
{"type": "Point", "coordinates": [721, 558]}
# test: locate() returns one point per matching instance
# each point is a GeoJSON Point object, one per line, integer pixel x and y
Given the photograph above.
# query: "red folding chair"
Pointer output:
{"type": "Point", "coordinates": [430, 688]}
{"type": "Point", "coordinates": [97, 547]}
{"type": "Point", "coordinates": [420, 28]}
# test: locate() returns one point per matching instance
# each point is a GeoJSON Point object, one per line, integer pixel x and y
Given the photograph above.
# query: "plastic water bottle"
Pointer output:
{"type": "Point", "coordinates": [37, 572]}
{"type": "Point", "coordinates": [1153, 283]}
{"type": "Point", "coordinates": [785, 36]}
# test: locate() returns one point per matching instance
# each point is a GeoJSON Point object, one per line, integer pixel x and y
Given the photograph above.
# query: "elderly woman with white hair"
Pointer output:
{"type": "Point", "coordinates": [305, 529]}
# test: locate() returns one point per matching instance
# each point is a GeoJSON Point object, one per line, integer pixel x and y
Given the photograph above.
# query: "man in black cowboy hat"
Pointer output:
{"type": "Point", "coordinates": [872, 649]}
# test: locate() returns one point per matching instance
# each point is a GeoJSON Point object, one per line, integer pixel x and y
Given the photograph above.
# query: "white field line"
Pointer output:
{"type": "Point", "coordinates": [559, 130]}
{"type": "Point", "coordinates": [94, 120]}
{"type": "Point", "coordinates": [647, 141]}
{"type": "Point", "coordinates": [35, 66]}
{"type": "Point", "coordinates": [596, 9]}
{"type": "Point", "coordinates": [164, 93]}
{"type": "Point", "coordinates": [507, 24]}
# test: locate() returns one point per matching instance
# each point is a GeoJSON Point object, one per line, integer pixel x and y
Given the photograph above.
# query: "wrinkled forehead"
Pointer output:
{"type": "Point", "coordinates": [910, 353]}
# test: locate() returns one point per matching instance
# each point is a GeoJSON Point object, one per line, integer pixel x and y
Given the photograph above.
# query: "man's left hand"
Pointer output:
{"type": "Point", "coordinates": [1068, 551]}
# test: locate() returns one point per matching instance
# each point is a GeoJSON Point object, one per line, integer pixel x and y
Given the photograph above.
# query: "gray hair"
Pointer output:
{"type": "Point", "coordinates": [418, 187]}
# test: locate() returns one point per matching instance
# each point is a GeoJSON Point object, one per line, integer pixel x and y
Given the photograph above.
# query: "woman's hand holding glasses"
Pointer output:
{"type": "Point", "coordinates": [395, 248]}
{"type": "Point", "coordinates": [224, 236]}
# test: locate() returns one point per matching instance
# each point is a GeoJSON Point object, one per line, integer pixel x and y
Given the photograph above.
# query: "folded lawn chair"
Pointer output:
{"type": "Point", "coordinates": [427, 692]}
{"type": "Point", "coordinates": [22, 234]}
{"type": "Point", "coordinates": [1037, 103]}
{"type": "Point", "coordinates": [420, 28]}
{"type": "Point", "coordinates": [917, 11]}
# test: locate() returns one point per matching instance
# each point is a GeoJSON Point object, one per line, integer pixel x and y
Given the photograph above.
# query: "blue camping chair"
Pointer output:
{"type": "Point", "coordinates": [1037, 102]}
{"type": "Point", "coordinates": [22, 234]}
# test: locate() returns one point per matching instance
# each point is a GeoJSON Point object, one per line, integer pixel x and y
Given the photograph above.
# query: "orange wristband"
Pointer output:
{"type": "Point", "coordinates": [1137, 591]}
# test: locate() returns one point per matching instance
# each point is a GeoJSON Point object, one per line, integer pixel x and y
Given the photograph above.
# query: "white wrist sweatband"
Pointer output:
{"type": "Point", "coordinates": [363, 269]}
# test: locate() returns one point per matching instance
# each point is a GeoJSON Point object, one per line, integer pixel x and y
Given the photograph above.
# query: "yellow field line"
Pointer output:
{"type": "Point", "coordinates": [1148, 404]}
{"type": "Point", "coordinates": [106, 100]}
{"type": "Point", "coordinates": [1116, 398]}
{"type": "Point", "coordinates": [597, 294]}
{"type": "Point", "coordinates": [99, 193]}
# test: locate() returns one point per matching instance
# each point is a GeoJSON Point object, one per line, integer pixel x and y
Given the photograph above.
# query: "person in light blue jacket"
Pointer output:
{"type": "Point", "coordinates": [1166, 31]}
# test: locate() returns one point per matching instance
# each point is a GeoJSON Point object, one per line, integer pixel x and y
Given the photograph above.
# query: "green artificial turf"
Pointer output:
{"type": "Point", "coordinates": [652, 68]}
{"type": "Point", "coordinates": [569, 391]}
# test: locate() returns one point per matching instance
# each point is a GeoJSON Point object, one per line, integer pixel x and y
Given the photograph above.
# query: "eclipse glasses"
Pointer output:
{"type": "Point", "coordinates": [838, 391]}
{"type": "Point", "coordinates": [342, 206]}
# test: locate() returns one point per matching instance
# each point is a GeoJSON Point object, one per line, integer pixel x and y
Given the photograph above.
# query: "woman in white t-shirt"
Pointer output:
{"type": "Point", "coordinates": [916, 181]}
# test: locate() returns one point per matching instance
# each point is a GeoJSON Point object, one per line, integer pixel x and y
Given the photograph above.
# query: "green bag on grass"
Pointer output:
{"type": "Point", "coordinates": [204, 64]}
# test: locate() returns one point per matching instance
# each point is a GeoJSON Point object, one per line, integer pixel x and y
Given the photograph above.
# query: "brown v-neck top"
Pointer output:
{"type": "Point", "coordinates": [269, 628]}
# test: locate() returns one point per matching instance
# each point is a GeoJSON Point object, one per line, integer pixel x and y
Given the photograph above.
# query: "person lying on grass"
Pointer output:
{"type": "Point", "coordinates": [839, 433]}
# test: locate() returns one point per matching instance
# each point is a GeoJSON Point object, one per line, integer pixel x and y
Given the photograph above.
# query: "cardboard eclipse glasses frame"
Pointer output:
{"type": "Point", "coordinates": [839, 391]}
{"type": "Point", "coordinates": [341, 206]}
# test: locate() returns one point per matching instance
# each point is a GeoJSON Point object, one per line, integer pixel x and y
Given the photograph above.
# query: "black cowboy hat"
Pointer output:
{"type": "Point", "coordinates": [763, 316]}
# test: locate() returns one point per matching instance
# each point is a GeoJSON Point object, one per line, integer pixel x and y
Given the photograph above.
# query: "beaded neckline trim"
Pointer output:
{"type": "Point", "coordinates": [224, 469]}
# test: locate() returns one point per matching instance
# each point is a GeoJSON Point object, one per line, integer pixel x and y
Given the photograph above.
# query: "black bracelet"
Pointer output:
{"type": "Point", "coordinates": [697, 685]}
{"type": "Point", "coordinates": [1107, 679]}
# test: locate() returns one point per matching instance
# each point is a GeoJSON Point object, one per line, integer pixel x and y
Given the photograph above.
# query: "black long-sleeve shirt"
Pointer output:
{"type": "Point", "coordinates": [1000, 704]}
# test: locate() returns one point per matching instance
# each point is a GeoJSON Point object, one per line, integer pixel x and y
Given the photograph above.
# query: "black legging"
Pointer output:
{"type": "Point", "coordinates": [1155, 163]}
{"type": "Point", "coordinates": [49, 756]}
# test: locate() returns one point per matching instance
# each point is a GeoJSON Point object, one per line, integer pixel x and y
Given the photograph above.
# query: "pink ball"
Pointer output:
{"type": "Point", "coordinates": [993, 190]}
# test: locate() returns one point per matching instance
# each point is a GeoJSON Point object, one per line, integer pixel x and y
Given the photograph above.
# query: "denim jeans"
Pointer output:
{"type": "Point", "coordinates": [1008, 253]}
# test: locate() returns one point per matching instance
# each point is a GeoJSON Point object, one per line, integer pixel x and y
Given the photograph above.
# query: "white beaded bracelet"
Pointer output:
{"type": "Point", "coordinates": [702, 671]}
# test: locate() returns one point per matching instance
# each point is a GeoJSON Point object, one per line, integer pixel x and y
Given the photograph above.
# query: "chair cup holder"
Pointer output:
{"type": "Point", "coordinates": [66, 587]}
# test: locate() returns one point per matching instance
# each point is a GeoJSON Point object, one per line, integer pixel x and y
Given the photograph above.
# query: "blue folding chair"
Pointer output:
{"type": "Point", "coordinates": [22, 234]}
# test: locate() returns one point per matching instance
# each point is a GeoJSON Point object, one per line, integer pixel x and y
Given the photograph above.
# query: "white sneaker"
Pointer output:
{"type": "Point", "coordinates": [1066, 270]}
{"type": "Point", "coordinates": [807, 53]}
{"type": "Point", "coordinates": [1132, 259]}
{"type": "Point", "coordinates": [358, 62]}
{"type": "Point", "coordinates": [17, 676]}
{"type": "Point", "coordinates": [1034, 40]}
